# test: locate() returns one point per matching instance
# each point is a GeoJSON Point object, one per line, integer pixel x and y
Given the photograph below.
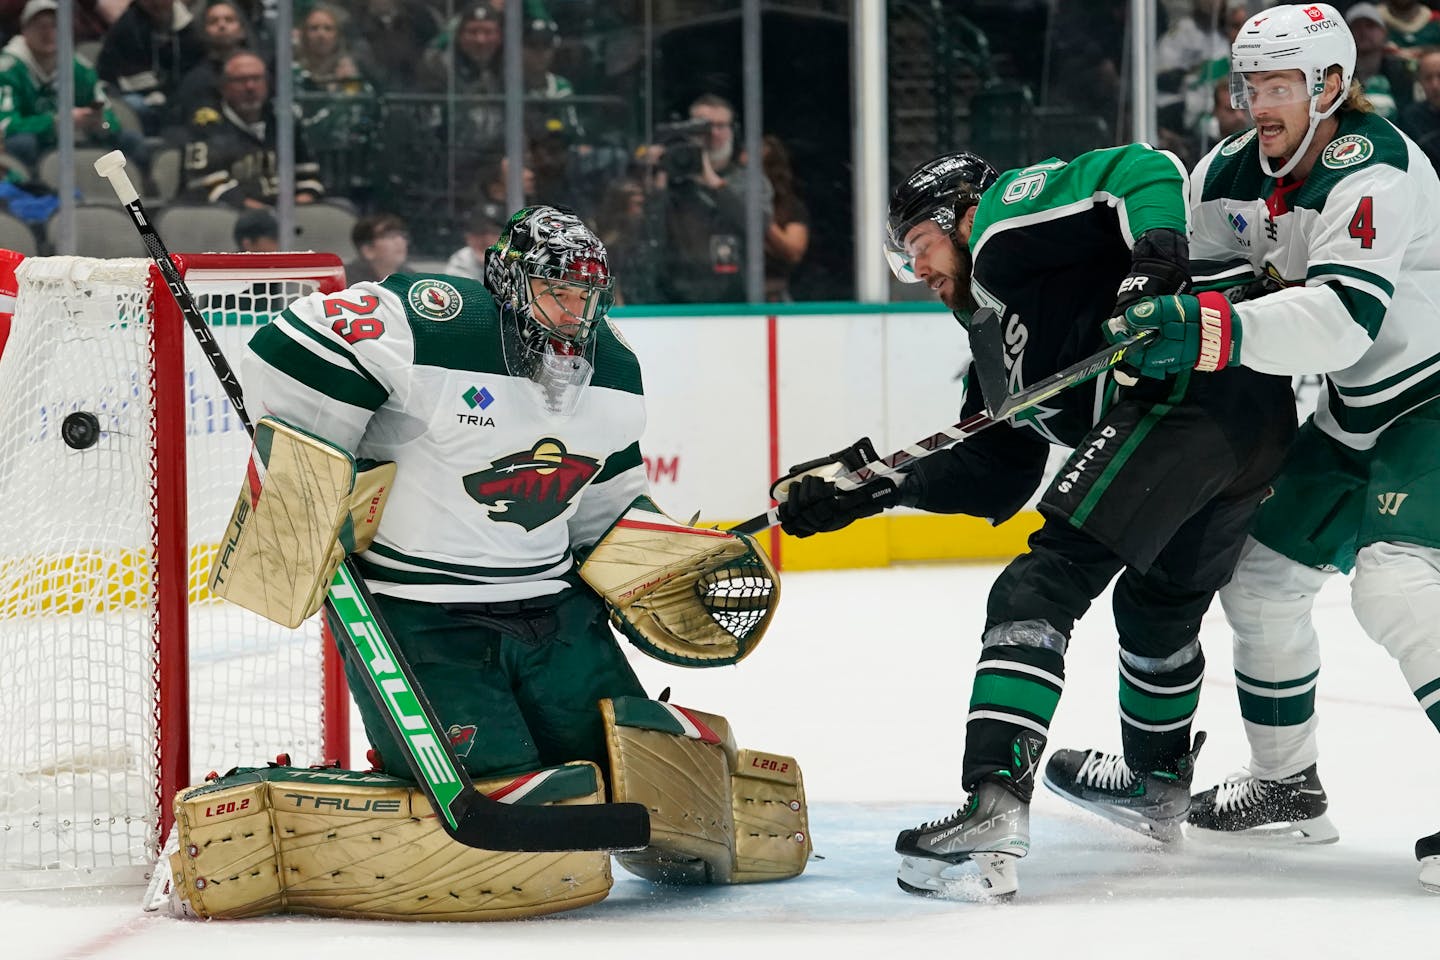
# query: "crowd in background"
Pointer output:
{"type": "Point", "coordinates": [401, 114]}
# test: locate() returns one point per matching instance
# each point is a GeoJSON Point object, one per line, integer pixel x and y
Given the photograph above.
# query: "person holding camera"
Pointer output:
{"type": "Point", "coordinates": [702, 211]}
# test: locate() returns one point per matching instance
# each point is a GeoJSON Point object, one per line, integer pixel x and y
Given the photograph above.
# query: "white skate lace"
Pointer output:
{"type": "Point", "coordinates": [1105, 770]}
{"type": "Point", "coordinates": [1240, 791]}
{"type": "Point", "coordinates": [932, 824]}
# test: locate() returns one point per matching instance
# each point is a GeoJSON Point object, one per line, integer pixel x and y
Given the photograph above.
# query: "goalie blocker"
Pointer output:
{"type": "Point", "coordinates": [341, 843]}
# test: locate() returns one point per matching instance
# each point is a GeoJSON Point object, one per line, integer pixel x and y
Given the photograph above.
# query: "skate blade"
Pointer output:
{"type": "Point", "coordinates": [996, 881]}
{"type": "Point", "coordinates": [1430, 874]}
{"type": "Point", "coordinates": [1164, 831]}
{"type": "Point", "coordinates": [1288, 833]}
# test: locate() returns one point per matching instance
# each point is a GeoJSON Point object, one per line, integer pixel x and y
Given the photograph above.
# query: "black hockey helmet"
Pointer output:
{"type": "Point", "coordinates": [941, 190]}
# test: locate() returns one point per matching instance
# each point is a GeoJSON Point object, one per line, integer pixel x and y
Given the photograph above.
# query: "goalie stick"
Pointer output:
{"type": "Point", "coordinates": [1073, 375]}
{"type": "Point", "coordinates": [467, 815]}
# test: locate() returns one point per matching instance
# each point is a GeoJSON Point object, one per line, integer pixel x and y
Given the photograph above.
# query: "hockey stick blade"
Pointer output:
{"type": "Point", "coordinates": [467, 815]}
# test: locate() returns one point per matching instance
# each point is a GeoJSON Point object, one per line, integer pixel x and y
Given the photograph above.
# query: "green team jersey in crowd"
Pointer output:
{"type": "Point", "coordinates": [493, 491]}
{"type": "Point", "coordinates": [28, 99]}
{"type": "Point", "coordinates": [1356, 247]}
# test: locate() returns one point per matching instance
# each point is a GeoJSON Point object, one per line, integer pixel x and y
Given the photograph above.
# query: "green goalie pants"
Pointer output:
{"type": "Point", "coordinates": [515, 685]}
{"type": "Point", "coordinates": [1334, 509]}
{"type": "Point", "coordinates": [1162, 494]}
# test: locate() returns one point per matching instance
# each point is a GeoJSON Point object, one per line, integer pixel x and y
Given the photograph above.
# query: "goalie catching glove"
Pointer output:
{"type": "Point", "coordinates": [684, 595]}
{"type": "Point", "coordinates": [1188, 333]}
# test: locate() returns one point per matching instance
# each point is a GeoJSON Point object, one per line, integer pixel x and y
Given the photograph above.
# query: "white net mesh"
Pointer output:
{"type": "Point", "coordinates": [79, 751]}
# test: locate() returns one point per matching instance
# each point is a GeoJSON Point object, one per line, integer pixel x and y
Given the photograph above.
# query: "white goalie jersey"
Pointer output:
{"type": "Point", "coordinates": [1354, 254]}
{"type": "Point", "coordinates": [493, 491]}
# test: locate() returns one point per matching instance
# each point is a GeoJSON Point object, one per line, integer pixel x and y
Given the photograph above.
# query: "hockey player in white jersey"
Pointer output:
{"type": "Point", "coordinates": [1321, 224]}
{"type": "Point", "coordinates": [516, 529]}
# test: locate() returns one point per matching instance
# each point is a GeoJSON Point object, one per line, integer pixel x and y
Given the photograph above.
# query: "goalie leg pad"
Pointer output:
{"type": "Point", "coordinates": [347, 844]}
{"type": "Point", "coordinates": [717, 814]}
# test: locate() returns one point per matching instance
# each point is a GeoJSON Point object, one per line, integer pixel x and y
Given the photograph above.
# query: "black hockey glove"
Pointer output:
{"type": "Point", "coordinates": [1159, 266]}
{"type": "Point", "coordinates": [815, 505]}
{"type": "Point", "coordinates": [852, 458]}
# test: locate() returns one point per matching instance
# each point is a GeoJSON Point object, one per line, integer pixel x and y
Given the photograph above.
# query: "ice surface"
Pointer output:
{"type": "Point", "coordinates": [864, 678]}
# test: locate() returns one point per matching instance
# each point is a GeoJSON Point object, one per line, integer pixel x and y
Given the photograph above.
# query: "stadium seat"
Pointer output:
{"type": "Point", "coordinates": [198, 229]}
{"type": "Point", "coordinates": [101, 230]}
{"type": "Point", "coordinates": [325, 228]}
{"type": "Point", "coordinates": [16, 235]}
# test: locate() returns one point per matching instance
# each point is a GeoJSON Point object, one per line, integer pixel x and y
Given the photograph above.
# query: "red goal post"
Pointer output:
{"type": "Point", "coordinates": [120, 460]}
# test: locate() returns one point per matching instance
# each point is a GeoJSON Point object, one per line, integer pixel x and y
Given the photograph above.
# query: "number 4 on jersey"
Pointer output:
{"type": "Point", "coordinates": [1362, 225]}
{"type": "Point", "coordinates": [363, 326]}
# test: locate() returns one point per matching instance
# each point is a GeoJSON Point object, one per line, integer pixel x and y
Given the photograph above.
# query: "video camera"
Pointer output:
{"type": "Point", "coordinates": [684, 143]}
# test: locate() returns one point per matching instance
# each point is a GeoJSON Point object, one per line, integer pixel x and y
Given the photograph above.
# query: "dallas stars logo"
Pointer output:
{"type": "Point", "coordinates": [1034, 417]}
{"type": "Point", "coordinates": [534, 487]}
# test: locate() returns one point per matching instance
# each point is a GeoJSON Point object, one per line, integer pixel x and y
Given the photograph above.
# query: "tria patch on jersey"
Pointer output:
{"type": "Point", "coordinates": [434, 299]}
{"type": "Point", "coordinates": [1347, 151]}
{"type": "Point", "coordinates": [1238, 144]}
{"type": "Point", "coordinates": [461, 737]}
{"type": "Point", "coordinates": [534, 487]}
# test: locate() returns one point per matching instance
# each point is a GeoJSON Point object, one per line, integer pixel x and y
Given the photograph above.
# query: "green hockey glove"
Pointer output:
{"type": "Point", "coordinates": [1190, 333]}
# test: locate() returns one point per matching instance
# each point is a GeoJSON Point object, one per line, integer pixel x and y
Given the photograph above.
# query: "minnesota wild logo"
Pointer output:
{"type": "Point", "coordinates": [1347, 151]}
{"type": "Point", "coordinates": [534, 487]}
{"type": "Point", "coordinates": [435, 299]}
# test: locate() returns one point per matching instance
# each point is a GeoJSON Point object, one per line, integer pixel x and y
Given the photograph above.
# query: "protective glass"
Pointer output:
{"type": "Point", "coordinates": [1246, 94]}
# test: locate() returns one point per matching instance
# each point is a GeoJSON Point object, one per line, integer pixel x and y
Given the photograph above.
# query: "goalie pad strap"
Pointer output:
{"type": "Point", "coordinates": [304, 506]}
{"type": "Point", "coordinates": [717, 814]}
{"type": "Point", "coordinates": [348, 844]}
{"type": "Point", "coordinates": [685, 595]}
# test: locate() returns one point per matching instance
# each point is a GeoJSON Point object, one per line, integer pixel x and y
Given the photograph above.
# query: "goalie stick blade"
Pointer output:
{"type": "Point", "coordinates": [490, 825]}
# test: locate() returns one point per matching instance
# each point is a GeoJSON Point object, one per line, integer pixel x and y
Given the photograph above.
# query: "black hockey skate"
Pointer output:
{"type": "Point", "coordinates": [1427, 851]}
{"type": "Point", "coordinates": [992, 830]}
{"type": "Point", "coordinates": [1152, 803]}
{"type": "Point", "coordinates": [1288, 810]}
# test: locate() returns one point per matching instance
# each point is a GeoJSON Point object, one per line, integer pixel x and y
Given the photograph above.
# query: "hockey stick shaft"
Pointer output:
{"type": "Point", "coordinates": [467, 815]}
{"type": "Point", "coordinates": [1073, 375]}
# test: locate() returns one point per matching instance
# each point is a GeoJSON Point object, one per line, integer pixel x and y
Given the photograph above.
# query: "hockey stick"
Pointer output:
{"type": "Point", "coordinates": [467, 815]}
{"type": "Point", "coordinates": [1026, 399]}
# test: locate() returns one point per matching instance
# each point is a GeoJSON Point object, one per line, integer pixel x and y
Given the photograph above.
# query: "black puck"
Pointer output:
{"type": "Point", "coordinates": [80, 430]}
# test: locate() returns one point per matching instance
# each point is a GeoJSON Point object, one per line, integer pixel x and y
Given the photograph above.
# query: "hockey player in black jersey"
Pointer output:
{"type": "Point", "coordinates": [1166, 473]}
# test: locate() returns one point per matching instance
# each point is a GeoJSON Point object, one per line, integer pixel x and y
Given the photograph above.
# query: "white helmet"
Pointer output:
{"type": "Point", "coordinates": [1311, 38]}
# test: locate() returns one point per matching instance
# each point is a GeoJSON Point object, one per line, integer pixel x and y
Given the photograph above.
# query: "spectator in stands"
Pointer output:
{"type": "Point", "coordinates": [1195, 39]}
{"type": "Point", "coordinates": [1421, 119]}
{"type": "Point", "coordinates": [787, 236]}
{"type": "Point", "coordinates": [702, 210]}
{"type": "Point", "coordinates": [556, 179]}
{"type": "Point", "coordinates": [470, 67]}
{"type": "Point", "coordinates": [145, 53]}
{"type": "Point", "coordinates": [339, 108]}
{"type": "Point", "coordinates": [256, 231]}
{"type": "Point", "coordinates": [482, 228]}
{"type": "Point", "coordinates": [92, 18]}
{"type": "Point", "coordinates": [383, 244]}
{"type": "Point", "coordinates": [322, 61]}
{"type": "Point", "coordinates": [1089, 37]}
{"type": "Point", "coordinates": [1386, 77]}
{"type": "Point", "coordinates": [621, 225]}
{"type": "Point", "coordinates": [397, 34]}
{"type": "Point", "coordinates": [1413, 26]}
{"type": "Point", "coordinates": [225, 30]}
{"type": "Point", "coordinates": [490, 185]}
{"type": "Point", "coordinates": [28, 95]}
{"type": "Point", "coordinates": [230, 152]}
{"type": "Point", "coordinates": [542, 39]}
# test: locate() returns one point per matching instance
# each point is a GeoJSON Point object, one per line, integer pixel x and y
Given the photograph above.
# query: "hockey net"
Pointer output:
{"type": "Point", "coordinates": [117, 668]}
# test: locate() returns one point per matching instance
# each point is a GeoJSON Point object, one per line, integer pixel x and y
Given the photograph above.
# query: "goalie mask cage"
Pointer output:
{"type": "Point", "coordinates": [119, 668]}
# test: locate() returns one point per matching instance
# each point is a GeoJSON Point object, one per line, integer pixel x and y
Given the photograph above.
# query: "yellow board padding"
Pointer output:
{"type": "Point", "coordinates": [103, 581]}
{"type": "Point", "coordinates": [907, 538]}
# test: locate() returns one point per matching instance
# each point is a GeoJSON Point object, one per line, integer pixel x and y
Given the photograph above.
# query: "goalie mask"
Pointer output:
{"type": "Point", "coordinates": [1309, 38]}
{"type": "Point", "coordinates": [941, 190]}
{"type": "Point", "coordinates": [550, 277]}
